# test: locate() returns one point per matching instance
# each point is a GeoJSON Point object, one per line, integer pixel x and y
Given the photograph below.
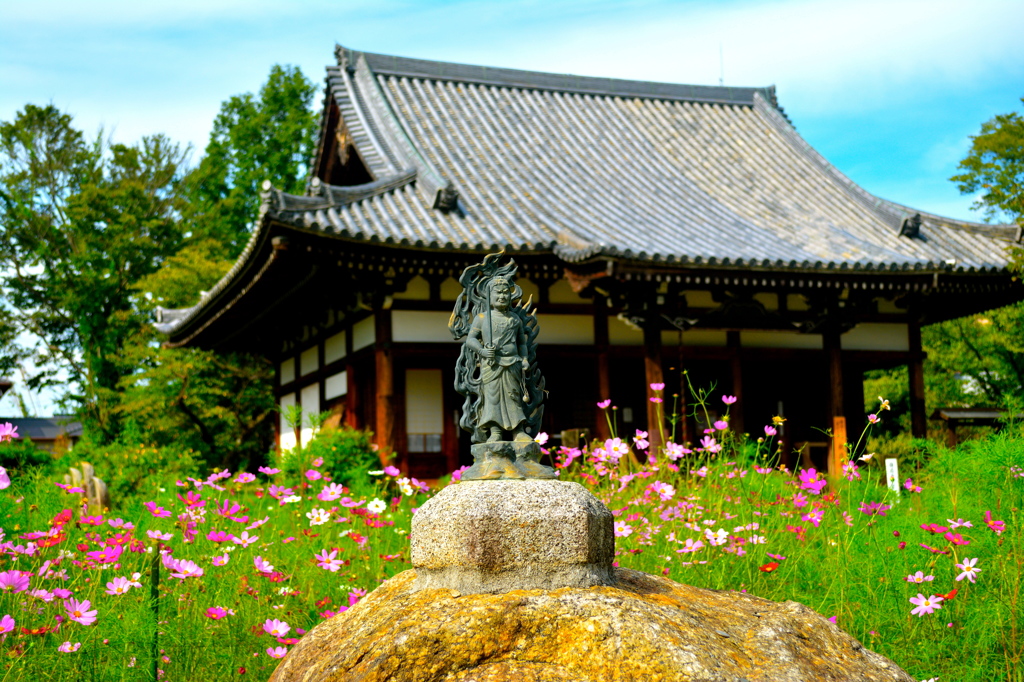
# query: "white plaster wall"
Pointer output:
{"type": "Point", "coordinates": [336, 385]}
{"type": "Point", "coordinates": [363, 333]}
{"type": "Point", "coordinates": [876, 336]}
{"type": "Point", "coordinates": [577, 330]}
{"type": "Point", "coordinates": [428, 326]}
{"type": "Point", "coordinates": [334, 348]}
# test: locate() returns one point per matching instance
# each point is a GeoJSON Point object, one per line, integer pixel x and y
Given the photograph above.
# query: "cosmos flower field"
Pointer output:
{"type": "Point", "coordinates": [217, 577]}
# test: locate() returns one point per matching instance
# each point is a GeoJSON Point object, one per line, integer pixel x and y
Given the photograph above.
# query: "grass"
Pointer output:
{"type": "Point", "coordinates": [840, 561]}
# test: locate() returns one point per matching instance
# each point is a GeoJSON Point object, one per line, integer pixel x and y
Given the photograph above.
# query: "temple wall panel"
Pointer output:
{"type": "Point", "coordinates": [334, 348]}
{"type": "Point", "coordinates": [287, 372]}
{"type": "Point", "coordinates": [286, 439]}
{"type": "Point", "coordinates": [363, 333]}
{"type": "Point", "coordinates": [780, 339]}
{"type": "Point", "coordinates": [424, 409]}
{"type": "Point", "coordinates": [420, 325]}
{"type": "Point", "coordinates": [621, 334]}
{"type": "Point", "coordinates": [336, 385]}
{"type": "Point", "coordinates": [309, 361]}
{"type": "Point", "coordinates": [310, 396]}
{"type": "Point", "coordinates": [876, 336]}
{"type": "Point", "coordinates": [695, 337]}
{"type": "Point", "coordinates": [570, 330]}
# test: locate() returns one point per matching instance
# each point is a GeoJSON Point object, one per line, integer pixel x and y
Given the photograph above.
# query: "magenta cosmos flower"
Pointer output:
{"type": "Point", "coordinates": [79, 612]}
{"type": "Point", "coordinates": [216, 613]}
{"type": "Point", "coordinates": [605, 404]}
{"type": "Point", "coordinates": [5, 480]}
{"type": "Point", "coordinates": [6, 624]}
{"type": "Point", "coordinates": [729, 399]}
{"type": "Point", "coordinates": [8, 431]}
{"type": "Point", "coordinates": [328, 562]}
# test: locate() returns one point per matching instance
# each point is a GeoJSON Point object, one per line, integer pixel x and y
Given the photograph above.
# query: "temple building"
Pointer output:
{"type": "Point", "coordinates": [658, 227]}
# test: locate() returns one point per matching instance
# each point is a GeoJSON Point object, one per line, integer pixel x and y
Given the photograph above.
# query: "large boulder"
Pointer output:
{"type": "Point", "coordinates": [640, 628]}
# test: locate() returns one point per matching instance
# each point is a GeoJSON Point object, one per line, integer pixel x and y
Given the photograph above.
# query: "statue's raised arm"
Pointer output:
{"type": "Point", "coordinates": [497, 372]}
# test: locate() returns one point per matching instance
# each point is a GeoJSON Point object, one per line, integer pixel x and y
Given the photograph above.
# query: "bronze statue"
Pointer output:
{"type": "Point", "coordinates": [497, 372]}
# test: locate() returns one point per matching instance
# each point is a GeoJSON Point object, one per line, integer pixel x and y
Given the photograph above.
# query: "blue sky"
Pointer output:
{"type": "Point", "coordinates": [888, 91]}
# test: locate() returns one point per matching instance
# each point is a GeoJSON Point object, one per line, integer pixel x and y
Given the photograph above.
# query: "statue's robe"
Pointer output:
{"type": "Point", "coordinates": [501, 377]}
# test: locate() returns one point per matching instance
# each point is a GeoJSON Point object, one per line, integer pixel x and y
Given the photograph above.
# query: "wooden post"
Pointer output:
{"type": "Point", "coordinates": [385, 385]}
{"type": "Point", "coordinates": [915, 370]}
{"type": "Point", "coordinates": [653, 375]}
{"type": "Point", "coordinates": [684, 433]}
{"type": "Point", "coordinates": [837, 452]}
{"type": "Point", "coordinates": [604, 382]}
{"type": "Point", "coordinates": [736, 412]}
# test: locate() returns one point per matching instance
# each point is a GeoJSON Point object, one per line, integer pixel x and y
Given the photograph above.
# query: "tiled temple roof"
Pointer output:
{"type": "Point", "coordinates": [476, 159]}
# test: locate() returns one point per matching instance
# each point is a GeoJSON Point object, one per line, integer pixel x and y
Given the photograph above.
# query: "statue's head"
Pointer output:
{"type": "Point", "coordinates": [501, 293]}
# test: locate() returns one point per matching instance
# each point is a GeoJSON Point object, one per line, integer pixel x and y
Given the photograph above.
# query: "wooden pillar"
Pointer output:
{"type": "Point", "coordinates": [685, 432]}
{"type": "Point", "coordinates": [915, 370]}
{"type": "Point", "coordinates": [653, 375]}
{"type": "Point", "coordinates": [836, 412]}
{"type": "Point", "coordinates": [604, 382]}
{"type": "Point", "coordinates": [736, 412]}
{"type": "Point", "coordinates": [385, 385]}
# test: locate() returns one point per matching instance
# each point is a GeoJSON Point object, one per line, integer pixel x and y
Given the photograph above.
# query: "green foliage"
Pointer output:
{"type": "Point", "coordinates": [135, 473]}
{"type": "Point", "coordinates": [21, 455]}
{"type": "Point", "coordinates": [80, 224]}
{"type": "Point", "coordinates": [995, 167]}
{"type": "Point", "coordinates": [255, 138]}
{"type": "Point", "coordinates": [347, 455]}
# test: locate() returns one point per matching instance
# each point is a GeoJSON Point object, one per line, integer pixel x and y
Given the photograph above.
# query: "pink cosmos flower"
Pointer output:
{"type": "Point", "coordinates": [45, 595]}
{"type": "Point", "coordinates": [279, 491]}
{"type": "Point", "coordinates": [68, 647]}
{"type": "Point", "coordinates": [79, 612]}
{"type": "Point", "coordinates": [959, 523]}
{"type": "Point", "coordinates": [957, 539]}
{"type": "Point", "coordinates": [244, 539]}
{"type": "Point", "coordinates": [997, 526]}
{"type": "Point", "coordinates": [871, 508]}
{"type": "Point", "coordinates": [850, 471]}
{"type": "Point", "coordinates": [814, 516]}
{"type": "Point", "coordinates": [933, 528]}
{"type": "Point", "coordinates": [328, 562]}
{"type": "Point", "coordinates": [809, 481]}
{"type": "Point", "coordinates": [157, 535]}
{"type": "Point", "coordinates": [622, 529]}
{"type": "Point", "coordinates": [277, 651]}
{"type": "Point", "coordinates": [657, 387]}
{"type": "Point", "coordinates": [13, 581]}
{"type": "Point", "coordinates": [186, 569]}
{"type": "Point", "coordinates": [8, 431]}
{"type": "Point", "coordinates": [220, 560]}
{"type": "Point", "coordinates": [968, 569]}
{"type": "Point", "coordinates": [657, 400]}
{"type": "Point", "coordinates": [873, 419]}
{"type": "Point", "coordinates": [231, 510]}
{"type": "Point", "coordinates": [925, 605]}
{"type": "Point", "coordinates": [91, 520]}
{"type": "Point", "coordinates": [219, 536]}
{"type": "Point", "coordinates": [331, 492]}
{"type": "Point", "coordinates": [263, 566]}
{"type": "Point", "coordinates": [118, 586]}
{"type": "Point", "coordinates": [256, 524]}
{"type": "Point", "coordinates": [729, 399]}
{"type": "Point", "coordinates": [269, 471]}
{"type": "Point", "coordinates": [770, 431]}
{"type": "Point", "coordinates": [156, 511]}
{"type": "Point", "coordinates": [215, 613]}
{"type": "Point", "coordinates": [542, 438]}
{"type": "Point", "coordinates": [314, 475]}
{"type": "Point", "coordinates": [605, 404]}
{"type": "Point", "coordinates": [245, 477]}
{"type": "Point", "coordinates": [392, 471]}
{"type": "Point", "coordinates": [919, 577]}
{"type": "Point", "coordinates": [5, 480]}
{"type": "Point", "coordinates": [641, 439]}
{"type": "Point", "coordinates": [6, 624]}
{"type": "Point", "coordinates": [276, 628]}
{"type": "Point", "coordinates": [107, 555]}
{"type": "Point", "coordinates": [721, 425]}
{"type": "Point", "coordinates": [702, 472]}
{"type": "Point", "coordinates": [709, 444]}
{"type": "Point", "coordinates": [663, 490]}
{"type": "Point", "coordinates": [121, 523]}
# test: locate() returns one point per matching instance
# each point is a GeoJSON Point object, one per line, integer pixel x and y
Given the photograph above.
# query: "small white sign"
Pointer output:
{"type": "Point", "coordinates": [892, 475]}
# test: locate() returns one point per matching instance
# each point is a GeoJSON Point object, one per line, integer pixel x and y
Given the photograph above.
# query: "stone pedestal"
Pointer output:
{"type": "Point", "coordinates": [507, 460]}
{"type": "Point", "coordinates": [496, 536]}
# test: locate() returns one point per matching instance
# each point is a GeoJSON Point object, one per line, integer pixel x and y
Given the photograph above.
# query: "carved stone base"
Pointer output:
{"type": "Point", "coordinates": [507, 460]}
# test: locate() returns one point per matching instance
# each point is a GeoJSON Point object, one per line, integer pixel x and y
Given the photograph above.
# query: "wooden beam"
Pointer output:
{"type": "Point", "coordinates": [836, 412]}
{"type": "Point", "coordinates": [653, 375]}
{"type": "Point", "coordinates": [384, 431]}
{"type": "Point", "coordinates": [915, 370]}
{"type": "Point", "coordinates": [736, 363]}
{"type": "Point", "coordinates": [604, 382]}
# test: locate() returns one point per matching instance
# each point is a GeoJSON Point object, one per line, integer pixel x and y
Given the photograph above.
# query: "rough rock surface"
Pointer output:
{"type": "Point", "coordinates": [643, 628]}
{"type": "Point", "coordinates": [502, 535]}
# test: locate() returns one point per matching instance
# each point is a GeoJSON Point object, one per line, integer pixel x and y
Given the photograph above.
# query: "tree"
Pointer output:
{"type": "Point", "coordinates": [80, 223]}
{"type": "Point", "coordinates": [269, 137]}
{"type": "Point", "coordinates": [995, 167]}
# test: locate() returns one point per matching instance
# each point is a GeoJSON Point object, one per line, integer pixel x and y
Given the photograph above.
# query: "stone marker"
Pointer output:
{"type": "Point", "coordinates": [498, 536]}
